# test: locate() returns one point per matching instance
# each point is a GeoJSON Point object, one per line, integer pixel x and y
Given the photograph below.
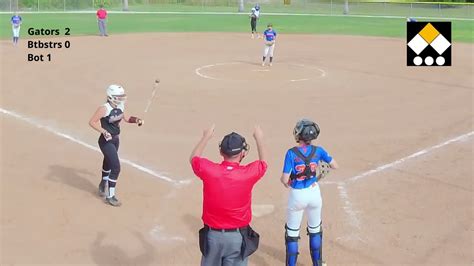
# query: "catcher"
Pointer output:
{"type": "Point", "coordinates": [304, 166]}
{"type": "Point", "coordinates": [269, 36]}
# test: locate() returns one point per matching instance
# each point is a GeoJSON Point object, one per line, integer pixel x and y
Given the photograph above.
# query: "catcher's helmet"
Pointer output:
{"type": "Point", "coordinates": [305, 130]}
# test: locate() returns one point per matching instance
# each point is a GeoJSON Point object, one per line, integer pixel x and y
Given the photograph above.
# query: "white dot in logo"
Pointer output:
{"type": "Point", "coordinates": [417, 60]}
{"type": "Point", "coordinates": [429, 60]}
{"type": "Point", "coordinates": [440, 61]}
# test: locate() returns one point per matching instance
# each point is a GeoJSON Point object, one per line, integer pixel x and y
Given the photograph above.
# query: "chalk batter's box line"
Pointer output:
{"type": "Point", "coordinates": [135, 165]}
{"type": "Point", "coordinates": [348, 207]}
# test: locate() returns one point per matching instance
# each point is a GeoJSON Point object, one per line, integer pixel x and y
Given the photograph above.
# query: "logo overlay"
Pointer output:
{"type": "Point", "coordinates": [428, 43]}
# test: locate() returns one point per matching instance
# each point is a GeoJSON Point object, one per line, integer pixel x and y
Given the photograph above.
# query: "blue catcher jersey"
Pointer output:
{"type": "Point", "coordinates": [294, 164]}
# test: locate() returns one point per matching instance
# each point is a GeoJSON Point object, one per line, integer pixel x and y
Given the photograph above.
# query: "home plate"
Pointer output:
{"type": "Point", "coordinates": [262, 70]}
{"type": "Point", "coordinates": [259, 210]}
{"type": "Point", "coordinates": [159, 234]}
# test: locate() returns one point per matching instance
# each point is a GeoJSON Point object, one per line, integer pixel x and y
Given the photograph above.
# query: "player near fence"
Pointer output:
{"type": "Point", "coordinates": [269, 36]}
{"type": "Point", "coordinates": [106, 120]}
{"type": "Point", "coordinates": [102, 20]}
{"type": "Point", "coordinates": [16, 24]}
{"type": "Point", "coordinates": [227, 238]}
{"type": "Point", "coordinates": [254, 16]}
{"type": "Point", "coordinates": [300, 175]}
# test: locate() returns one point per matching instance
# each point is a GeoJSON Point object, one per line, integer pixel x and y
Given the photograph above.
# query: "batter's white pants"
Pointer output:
{"type": "Point", "coordinates": [16, 31]}
{"type": "Point", "coordinates": [268, 50]}
{"type": "Point", "coordinates": [300, 201]}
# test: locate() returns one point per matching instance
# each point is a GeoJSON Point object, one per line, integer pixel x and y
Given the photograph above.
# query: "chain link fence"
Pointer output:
{"type": "Point", "coordinates": [330, 7]}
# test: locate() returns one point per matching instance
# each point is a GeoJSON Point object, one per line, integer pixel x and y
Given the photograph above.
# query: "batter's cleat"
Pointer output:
{"type": "Point", "coordinates": [263, 64]}
{"type": "Point", "coordinates": [270, 64]}
{"type": "Point", "coordinates": [102, 192]}
{"type": "Point", "coordinates": [113, 201]}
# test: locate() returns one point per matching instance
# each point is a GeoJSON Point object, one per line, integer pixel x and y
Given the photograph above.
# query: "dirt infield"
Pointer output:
{"type": "Point", "coordinates": [372, 110]}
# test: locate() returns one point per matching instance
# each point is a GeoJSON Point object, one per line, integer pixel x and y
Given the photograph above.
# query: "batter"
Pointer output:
{"type": "Point", "coordinates": [106, 120]}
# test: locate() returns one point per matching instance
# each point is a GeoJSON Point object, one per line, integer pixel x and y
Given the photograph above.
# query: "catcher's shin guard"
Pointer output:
{"type": "Point", "coordinates": [316, 245]}
{"type": "Point", "coordinates": [291, 243]}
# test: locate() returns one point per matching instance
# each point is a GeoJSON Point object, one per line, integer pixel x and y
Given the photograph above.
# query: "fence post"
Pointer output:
{"type": "Point", "coordinates": [38, 5]}
{"type": "Point", "coordinates": [346, 7]}
{"type": "Point", "coordinates": [331, 8]}
{"type": "Point", "coordinates": [64, 5]}
{"type": "Point", "coordinates": [241, 6]}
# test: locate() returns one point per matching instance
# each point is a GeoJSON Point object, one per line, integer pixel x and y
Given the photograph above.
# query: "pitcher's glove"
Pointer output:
{"type": "Point", "coordinates": [322, 170]}
{"type": "Point", "coordinates": [269, 43]}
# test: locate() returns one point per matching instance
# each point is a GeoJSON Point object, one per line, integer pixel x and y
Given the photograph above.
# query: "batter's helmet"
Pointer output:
{"type": "Point", "coordinates": [305, 130]}
{"type": "Point", "coordinates": [116, 94]}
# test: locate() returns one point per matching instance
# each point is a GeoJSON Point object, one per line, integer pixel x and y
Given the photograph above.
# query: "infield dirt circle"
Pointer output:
{"type": "Point", "coordinates": [371, 108]}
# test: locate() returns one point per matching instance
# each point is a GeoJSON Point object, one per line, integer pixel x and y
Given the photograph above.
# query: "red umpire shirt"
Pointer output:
{"type": "Point", "coordinates": [227, 191]}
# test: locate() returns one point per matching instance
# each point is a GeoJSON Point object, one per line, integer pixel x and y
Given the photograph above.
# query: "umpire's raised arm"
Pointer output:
{"type": "Point", "coordinates": [258, 136]}
{"type": "Point", "coordinates": [206, 136]}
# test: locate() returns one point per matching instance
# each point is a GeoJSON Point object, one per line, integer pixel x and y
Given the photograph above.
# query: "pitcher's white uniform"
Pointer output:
{"type": "Point", "coordinates": [269, 35]}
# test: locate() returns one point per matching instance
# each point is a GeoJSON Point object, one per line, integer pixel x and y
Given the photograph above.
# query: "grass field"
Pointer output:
{"type": "Point", "coordinates": [85, 24]}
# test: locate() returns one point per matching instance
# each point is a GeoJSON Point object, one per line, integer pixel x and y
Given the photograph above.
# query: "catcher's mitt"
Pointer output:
{"type": "Point", "coordinates": [322, 170]}
{"type": "Point", "coordinates": [269, 43]}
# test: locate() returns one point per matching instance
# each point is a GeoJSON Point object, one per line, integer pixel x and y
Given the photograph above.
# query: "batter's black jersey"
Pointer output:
{"type": "Point", "coordinates": [112, 118]}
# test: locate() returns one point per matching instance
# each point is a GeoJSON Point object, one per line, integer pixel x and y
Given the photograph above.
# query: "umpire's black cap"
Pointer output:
{"type": "Point", "coordinates": [233, 144]}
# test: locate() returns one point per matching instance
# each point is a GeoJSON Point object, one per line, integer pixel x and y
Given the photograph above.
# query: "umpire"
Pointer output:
{"type": "Point", "coordinates": [227, 238]}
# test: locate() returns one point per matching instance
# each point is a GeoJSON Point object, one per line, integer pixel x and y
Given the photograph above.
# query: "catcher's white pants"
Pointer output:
{"type": "Point", "coordinates": [268, 50]}
{"type": "Point", "coordinates": [304, 200]}
{"type": "Point", "coordinates": [16, 31]}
